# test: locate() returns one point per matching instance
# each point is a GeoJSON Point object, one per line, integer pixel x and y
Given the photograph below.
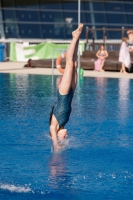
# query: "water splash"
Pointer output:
{"type": "Point", "coordinates": [17, 189]}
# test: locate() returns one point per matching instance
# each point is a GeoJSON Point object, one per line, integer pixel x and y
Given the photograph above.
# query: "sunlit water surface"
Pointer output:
{"type": "Point", "coordinates": [97, 162]}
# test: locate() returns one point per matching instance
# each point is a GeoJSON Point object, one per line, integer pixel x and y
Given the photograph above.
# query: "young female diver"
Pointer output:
{"type": "Point", "coordinates": [61, 112]}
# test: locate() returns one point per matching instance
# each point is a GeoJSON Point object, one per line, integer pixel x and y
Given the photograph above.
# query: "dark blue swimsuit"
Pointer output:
{"type": "Point", "coordinates": [63, 108]}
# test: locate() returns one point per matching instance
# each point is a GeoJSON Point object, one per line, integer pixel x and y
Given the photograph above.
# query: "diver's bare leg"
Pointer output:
{"type": "Point", "coordinates": [70, 62]}
{"type": "Point", "coordinates": [75, 52]}
{"type": "Point", "coordinates": [74, 78]}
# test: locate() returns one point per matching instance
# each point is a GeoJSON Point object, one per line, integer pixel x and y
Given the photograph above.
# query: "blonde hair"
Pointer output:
{"type": "Point", "coordinates": [103, 46]}
{"type": "Point", "coordinates": [124, 39]}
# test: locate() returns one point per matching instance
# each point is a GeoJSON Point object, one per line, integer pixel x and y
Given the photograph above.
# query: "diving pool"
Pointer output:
{"type": "Point", "coordinates": [97, 163]}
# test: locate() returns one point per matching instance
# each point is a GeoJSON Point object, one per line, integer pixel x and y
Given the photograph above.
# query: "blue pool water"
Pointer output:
{"type": "Point", "coordinates": [97, 162]}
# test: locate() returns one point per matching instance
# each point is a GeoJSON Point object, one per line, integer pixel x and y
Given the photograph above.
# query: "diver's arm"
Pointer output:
{"type": "Point", "coordinates": [53, 136]}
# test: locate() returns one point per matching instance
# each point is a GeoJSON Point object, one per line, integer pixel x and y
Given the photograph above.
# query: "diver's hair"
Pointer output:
{"type": "Point", "coordinates": [50, 117]}
{"type": "Point", "coordinates": [51, 113]}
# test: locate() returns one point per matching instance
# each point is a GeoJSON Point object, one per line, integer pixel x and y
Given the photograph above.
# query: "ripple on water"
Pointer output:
{"type": "Point", "coordinates": [96, 162]}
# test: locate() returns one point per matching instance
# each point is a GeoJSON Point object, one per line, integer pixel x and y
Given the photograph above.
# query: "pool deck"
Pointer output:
{"type": "Point", "coordinates": [17, 68]}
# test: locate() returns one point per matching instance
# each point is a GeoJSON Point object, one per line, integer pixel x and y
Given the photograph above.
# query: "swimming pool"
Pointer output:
{"type": "Point", "coordinates": [97, 162]}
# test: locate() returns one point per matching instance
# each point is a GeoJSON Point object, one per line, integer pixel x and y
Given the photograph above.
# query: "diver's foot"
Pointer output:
{"type": "Point", "coordinates": [78, 31]}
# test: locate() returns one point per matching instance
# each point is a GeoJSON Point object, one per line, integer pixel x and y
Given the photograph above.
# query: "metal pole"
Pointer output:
{"type": "Point", "coordinates": [122, 32]}
{"type": "Point", "coordinates": [87, 32]}
{"type": "Point", "coordinates": [104, 35]}
{"type": "Point", "coordinates": [93, 37]}
{"type": "Point", "coordinates": [79, 43]}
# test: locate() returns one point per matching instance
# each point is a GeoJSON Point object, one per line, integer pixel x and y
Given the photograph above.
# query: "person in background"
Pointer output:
{"type": "Point", "coordinates": [102, 54]}
{"type": "Point", "coordinates": [130, 40]}
{"type": "Point", "coordinates": [130, 35]}
{"type": "Point", "coordinates": [124, 56]}
{"type": "Point", "coordinates": [29, 63]}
